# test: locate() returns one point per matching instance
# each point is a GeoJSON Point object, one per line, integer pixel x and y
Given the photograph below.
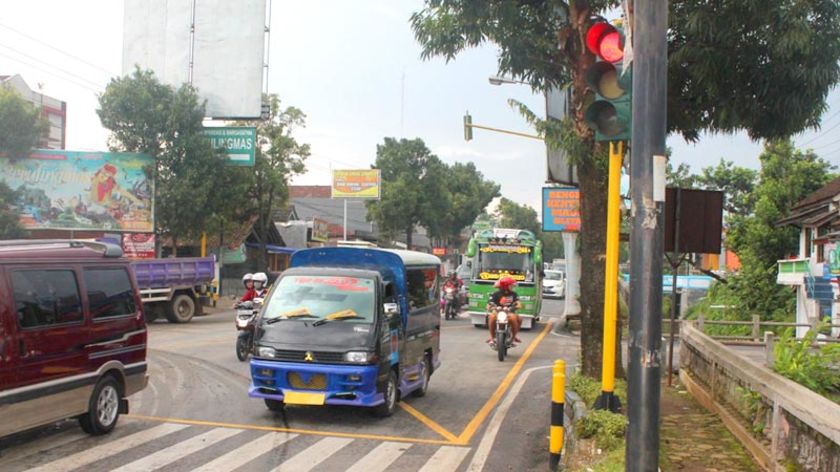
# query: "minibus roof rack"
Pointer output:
{"type": "Point", "coordinates": [108, 249]}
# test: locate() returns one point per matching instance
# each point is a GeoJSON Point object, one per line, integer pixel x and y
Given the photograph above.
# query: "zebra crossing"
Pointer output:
{"type": "Point", "coordinates": [137, 446]}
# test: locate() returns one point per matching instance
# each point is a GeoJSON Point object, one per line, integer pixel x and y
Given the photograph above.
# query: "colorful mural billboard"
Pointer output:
{"type": "Point", "coordinates": [75, 190]}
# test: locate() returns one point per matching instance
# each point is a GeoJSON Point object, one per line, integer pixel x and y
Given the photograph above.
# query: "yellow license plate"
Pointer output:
{"type": "Point", "coordinates": [303, 398]}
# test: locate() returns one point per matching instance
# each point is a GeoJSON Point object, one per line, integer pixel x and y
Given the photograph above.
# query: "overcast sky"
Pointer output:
{"type": "Point", "coordinates": [355, 69]}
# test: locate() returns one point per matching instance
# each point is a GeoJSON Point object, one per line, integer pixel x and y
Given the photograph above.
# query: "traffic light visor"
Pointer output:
{"type": "Point", "coordinates": [603, 78]}
{"type": "Point", "coordinates": [605, 41]}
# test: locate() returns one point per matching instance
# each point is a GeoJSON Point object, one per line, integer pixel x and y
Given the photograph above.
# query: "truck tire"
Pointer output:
{"type": "Point", "coordinates": [181, 309]}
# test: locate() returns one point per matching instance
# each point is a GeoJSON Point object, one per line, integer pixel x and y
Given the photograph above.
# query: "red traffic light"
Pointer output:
{"type": "Point", "coordinates": [605, 41]}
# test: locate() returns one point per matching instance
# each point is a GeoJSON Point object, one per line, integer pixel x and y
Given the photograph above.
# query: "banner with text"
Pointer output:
{"type": "Point", "coordinates": [139, 245]}
{"type": "Point", "coordinates": [356, 183]}
{"type": "Point", "coordinates": [71, 190]}
{"type": "Point", "coordinates": [561, 209]}
{"type": "Point", "coordinates": [239, 143]}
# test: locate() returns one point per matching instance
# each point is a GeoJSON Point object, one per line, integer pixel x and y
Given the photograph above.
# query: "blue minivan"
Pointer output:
{"type": "Point", "coordinates": [349, 326]}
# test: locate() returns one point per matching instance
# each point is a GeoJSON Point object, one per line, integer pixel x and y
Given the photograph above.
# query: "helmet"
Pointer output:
{"type": "Point", "coordinates": [246, 278]}
{"type": "Point", "coordinates": [261, 279]}
{"type": "Point", "coordinates": [506, 282]}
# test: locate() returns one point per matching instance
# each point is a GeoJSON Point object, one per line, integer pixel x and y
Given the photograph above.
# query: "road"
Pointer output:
{"type": "Point", "coordinates": [196, 415]}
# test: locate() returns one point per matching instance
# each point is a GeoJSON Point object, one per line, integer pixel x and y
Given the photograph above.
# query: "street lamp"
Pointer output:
{"type": "Point", "coordinates": [499, 80]}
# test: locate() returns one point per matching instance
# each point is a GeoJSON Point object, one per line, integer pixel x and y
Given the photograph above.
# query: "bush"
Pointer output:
{"type": "Point", "coordinates": [589, 389]}
{"type": "Point", "coordinates": [605, 426]}
{"type": "Point", "coordinates": [816, 369]}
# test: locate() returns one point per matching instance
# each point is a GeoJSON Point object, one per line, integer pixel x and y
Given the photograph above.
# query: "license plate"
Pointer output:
{"type": "Point", "coordinates": [303, 398]}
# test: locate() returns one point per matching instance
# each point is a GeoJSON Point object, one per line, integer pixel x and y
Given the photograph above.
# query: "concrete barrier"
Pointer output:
{"type": "Point", "coordinates": [781, 421]}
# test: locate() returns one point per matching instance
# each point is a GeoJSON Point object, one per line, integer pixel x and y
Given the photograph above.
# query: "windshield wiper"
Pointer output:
{"type": "Point", "coordinates": [289, 315]}
{"type": "Point", "coordinates": [327, 320]}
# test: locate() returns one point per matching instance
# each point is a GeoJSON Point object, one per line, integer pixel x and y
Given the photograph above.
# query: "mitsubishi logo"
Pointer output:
{"type": "Point", "coordinates": [308, 357]}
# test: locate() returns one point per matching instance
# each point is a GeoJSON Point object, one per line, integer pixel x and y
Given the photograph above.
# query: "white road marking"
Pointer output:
{"type": "Point", "coordinates": [445, 459]}
{"type": "Point", "coordinates": [486, 444]}
{"type": "Point", "coordinates": [310, 457]}
{"type": "Point", "coordinates": [246, 453]}
{"type": "Point", "coordinates": [108, 449]}
{"type": "Point", "coordinates": [182, 449]}
{"type": "Point", "coordinates": [380, 458]}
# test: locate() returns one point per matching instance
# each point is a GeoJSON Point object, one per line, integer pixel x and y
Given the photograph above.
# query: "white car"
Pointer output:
{"type": "Point", "coordinates": [554, 284]}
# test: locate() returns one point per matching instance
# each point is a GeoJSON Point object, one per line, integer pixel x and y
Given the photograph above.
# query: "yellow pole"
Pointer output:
{"type": "Point", "coordinates": [557, 431]}
{"type": "Point", "coordinates": [203, 244]}
{"type": "Point", "coordinates": [608, 400]}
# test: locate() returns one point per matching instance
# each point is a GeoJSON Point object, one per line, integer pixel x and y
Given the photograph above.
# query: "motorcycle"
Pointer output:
{"type": "Point", "coordinates": [246, 317]}
{"type": "Point", "coordinates": [450, 305]}
{"type": "Point", "coordinates": [504, 333]}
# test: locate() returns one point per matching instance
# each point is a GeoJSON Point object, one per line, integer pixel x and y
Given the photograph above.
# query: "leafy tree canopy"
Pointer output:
{"type": "Point", "coordinates": [21, 124]}
{"type": "Point", "coordinates": [9, 218]}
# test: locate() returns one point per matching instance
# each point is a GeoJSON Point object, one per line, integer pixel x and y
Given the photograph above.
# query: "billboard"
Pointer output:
{"type": "Point", "coordinates": [320, 230]}
{"type": "Point", "coordinates": [700, 214]}
{"type": "Point", "coordinates": [561, 209]}
{"type": "Point", "coordinates": [356, 183]}
{"type": "Point", "coordinates": [239, 143]}
{"type": "Point", "coordinates": [71, 190]}
{"type": "Point", "coordinates": [139, 245]}
{"type": "Point", "coordinates": [227, 41]}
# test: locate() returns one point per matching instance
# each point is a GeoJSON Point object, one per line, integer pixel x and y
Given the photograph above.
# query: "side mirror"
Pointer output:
{"type": "Point", "coordinates": [391, 309]}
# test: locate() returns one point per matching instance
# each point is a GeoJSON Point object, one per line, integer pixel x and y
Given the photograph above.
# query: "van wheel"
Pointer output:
{"type": "Point", "coordinates": [427, 375]}
{"type": "Point", "coordinates": [274, 405]}
{"type": "Point", "coordinates": [389, 391]}
{"type": "Point", "coordinates": [103, 408]}
{"type": "Point", "coordinates": [181, 309]}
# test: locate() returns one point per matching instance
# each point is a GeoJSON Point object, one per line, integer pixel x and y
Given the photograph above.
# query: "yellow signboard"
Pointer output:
{"type": "Point", "coordinates": [363, 183]}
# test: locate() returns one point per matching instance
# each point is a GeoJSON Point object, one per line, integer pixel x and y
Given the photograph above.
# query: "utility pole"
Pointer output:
{"type": "Point", "coordinates": [650, 74]}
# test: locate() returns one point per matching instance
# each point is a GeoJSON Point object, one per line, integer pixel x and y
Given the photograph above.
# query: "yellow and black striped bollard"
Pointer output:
{"type": "Point", "coordinates": [558, 391]}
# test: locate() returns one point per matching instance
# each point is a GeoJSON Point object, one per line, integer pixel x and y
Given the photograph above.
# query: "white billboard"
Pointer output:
{"type": "Point", "coordinates": [227, 45]}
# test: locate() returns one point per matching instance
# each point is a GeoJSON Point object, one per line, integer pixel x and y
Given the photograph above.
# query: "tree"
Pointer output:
{"type": "Point", "coordinates": [21, 124]}
{"type": "Point", "coordinates": [147, 116]}
{"type": "Point", "coordinates": [731, 66]}
{"type": "Point", "coordinates": [413, 188]}
{"type": "Point", "coordinates": [468, 196]}
{"type": "Point", "coordinates": [279, 156]}
{"type": "Point", "coordinates": [9, 219]}
{"type": "Point", "coordinates": [513, 215]}
{"type": "Point", "coordinates": [680, 177]}
{"type": "Point", "coordinates": [737, 184]}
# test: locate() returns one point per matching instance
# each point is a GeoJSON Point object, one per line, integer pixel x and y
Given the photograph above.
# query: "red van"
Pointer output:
{"type": "Point", "coordinates": [72, 334]}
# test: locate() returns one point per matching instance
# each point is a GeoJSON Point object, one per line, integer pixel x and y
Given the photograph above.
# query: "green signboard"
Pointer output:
{"type": "Point", "coordinates": [239, 143]}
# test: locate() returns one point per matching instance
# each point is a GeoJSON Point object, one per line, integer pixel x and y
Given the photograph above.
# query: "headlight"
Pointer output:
{"type": "Point", "coordinates": [502, 317]}
{"type": "Point", "coordinates": [359, 357]}
{"type": "Point", "coordinates": [266, 352]}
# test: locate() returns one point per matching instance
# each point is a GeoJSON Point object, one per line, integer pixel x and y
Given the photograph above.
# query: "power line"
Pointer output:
{"type": "Point", "coordinates": [72, 74]}
{"type": "Point", "coordinates": [80, 84]}
{"type": "Point", "coordinates": [822, 133]}
{"type": "Point", "coordinates": [827, 145]}
{"type": "Point", "coordinates": [83, 61]}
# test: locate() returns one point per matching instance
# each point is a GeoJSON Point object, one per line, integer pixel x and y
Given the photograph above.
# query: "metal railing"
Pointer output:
{"type": "Point", "coordinates": [756, 335]}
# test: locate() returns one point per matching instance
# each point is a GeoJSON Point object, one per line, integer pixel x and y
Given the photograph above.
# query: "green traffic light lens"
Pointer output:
{"type": "Point", "coordinates": [603, 118]}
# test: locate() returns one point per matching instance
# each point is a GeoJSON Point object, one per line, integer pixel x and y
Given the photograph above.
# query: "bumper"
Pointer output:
{"type": "Point", "coordinates": [339, 384]}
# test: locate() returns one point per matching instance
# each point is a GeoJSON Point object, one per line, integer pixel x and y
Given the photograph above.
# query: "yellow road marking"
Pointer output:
{"type": "Point", "coordinates": [256, 427]}
{"type": "Point", "coordinates": [485, 410]}
{"type": "Point", "coordinates": [428, 422]}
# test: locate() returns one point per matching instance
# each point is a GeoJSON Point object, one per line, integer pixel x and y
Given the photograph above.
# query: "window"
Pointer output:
{"type": "Point", "coordinates": [46, 297]}
{"type": "Point", "coordinates": [109, 292]}
{"type": "Point", "coordinates": [422, 288]}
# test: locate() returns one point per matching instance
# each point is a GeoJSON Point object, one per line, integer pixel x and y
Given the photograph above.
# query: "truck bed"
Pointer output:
{"type": "Point", "coordinates": [174, 272]}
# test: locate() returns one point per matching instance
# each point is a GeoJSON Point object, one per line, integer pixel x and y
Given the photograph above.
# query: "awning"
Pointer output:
{"type": "Point", "coordinates": [274, 249]}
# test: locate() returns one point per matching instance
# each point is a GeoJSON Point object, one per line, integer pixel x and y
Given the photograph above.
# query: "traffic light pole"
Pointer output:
{"type": "Point", "coordinates": [608, 400]}
{"type": "Point", "coordinates": [650, 76]}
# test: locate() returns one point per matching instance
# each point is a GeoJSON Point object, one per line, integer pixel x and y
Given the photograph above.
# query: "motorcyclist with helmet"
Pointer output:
{"type": "Point", "coordinates": [250, 293]}
{"type": "Point", "coordinates": [504, 296]}
{"type": "Point", "coordinates": [456, 283]}
{"type": "Point", "coordinates": [260, 285]}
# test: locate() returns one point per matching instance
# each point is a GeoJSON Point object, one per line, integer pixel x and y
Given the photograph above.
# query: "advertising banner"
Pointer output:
{"type": "Point", "coordinates": [561, 209]}
{"type": "Point", "coordinates": [362, 183]}
{"type": "Point", "coordinates": [139, 245]}
{"type": "Point", "coordinates": [438, 251]}
{"type": "Point", "coordinates": [71, 190]}
{"type": "Point", "coordinates": [320, 230]}
{"type": "Point", "coordinates": [239, 143]}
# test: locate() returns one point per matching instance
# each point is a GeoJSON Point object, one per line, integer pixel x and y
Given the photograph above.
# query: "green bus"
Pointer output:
{"type": "Point", "coordinates": [495, 253]}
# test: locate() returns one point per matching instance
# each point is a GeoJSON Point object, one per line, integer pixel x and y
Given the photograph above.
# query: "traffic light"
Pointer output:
{"type": "Point", "coordinates": [610, 113]}
{"type": "Point", "coordinates": [468, 127]}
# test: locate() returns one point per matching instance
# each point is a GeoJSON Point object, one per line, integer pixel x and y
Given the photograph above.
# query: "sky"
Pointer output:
{"type": "Point", "coordinates": [355, 69]}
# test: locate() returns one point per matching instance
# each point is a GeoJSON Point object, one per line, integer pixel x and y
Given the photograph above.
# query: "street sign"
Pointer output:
{"type": "Point", "coordinates": [239, 143]}
{"type": "Point", "coordinates": [561, 209]}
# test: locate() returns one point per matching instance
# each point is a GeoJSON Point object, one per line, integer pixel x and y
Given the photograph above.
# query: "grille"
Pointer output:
{"type": "Point", "coordinates": [317, 356]}
{"type": "Point", "coordinates": [316, 381]}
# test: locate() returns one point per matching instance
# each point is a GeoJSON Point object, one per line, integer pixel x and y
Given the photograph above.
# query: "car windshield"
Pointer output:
{"type": "Point", "coordinates": [553, 275]}
{"type": "Point", "coordinates": [515, 261]}
{"type": "Point", "coordinates": [311, 297]}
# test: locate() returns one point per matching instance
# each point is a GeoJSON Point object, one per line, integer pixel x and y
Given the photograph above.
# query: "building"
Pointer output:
{"type": "Point", "coordinates": [815, 269]}
{"type": "Point", "coordinates": [52, 109]}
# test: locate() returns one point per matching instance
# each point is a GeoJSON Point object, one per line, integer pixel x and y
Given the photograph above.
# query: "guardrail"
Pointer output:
{"type": "Point", "coordinates": [788, 421]}
{"type": "Point", "coordinates": [756, 336]}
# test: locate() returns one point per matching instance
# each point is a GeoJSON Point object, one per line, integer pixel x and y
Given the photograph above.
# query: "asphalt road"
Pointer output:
{"type": "Point", "coordinates": [479, 413]}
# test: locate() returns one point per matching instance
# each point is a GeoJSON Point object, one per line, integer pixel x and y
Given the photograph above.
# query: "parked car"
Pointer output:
{"type": "Point", "coordinates": [72, 335]}
{"type": "Point", "coordinates": [554, 284]}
